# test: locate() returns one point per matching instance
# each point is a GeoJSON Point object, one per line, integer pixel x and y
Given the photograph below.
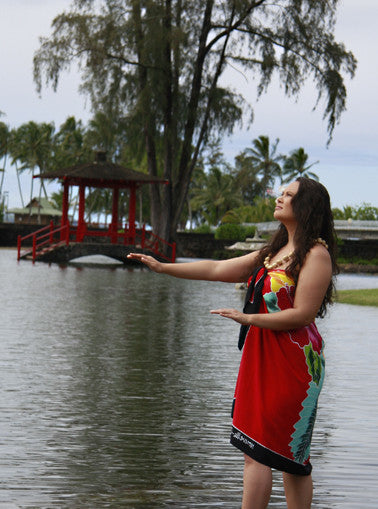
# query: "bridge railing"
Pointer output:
{"type": "Point", "coordinates": [159, 246]}
{"type": "Point", "coordinates": [43, 238]}
{"type": "Point", "coordinates": [138, 237]}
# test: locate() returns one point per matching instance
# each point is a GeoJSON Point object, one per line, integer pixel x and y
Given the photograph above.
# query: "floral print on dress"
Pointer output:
{"type": "Point", "coordinates": [279, 296]}
{"type": "Point", "coordinates": [280, 293]}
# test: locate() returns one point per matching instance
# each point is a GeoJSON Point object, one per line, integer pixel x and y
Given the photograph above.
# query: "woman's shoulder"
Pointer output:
{"type": "Point", "coordinates": [318, 254]}
{"type": "Point", "coordinates": [319, 250]}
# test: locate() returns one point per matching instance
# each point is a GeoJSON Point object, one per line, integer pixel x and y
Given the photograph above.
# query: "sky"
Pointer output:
{"type": "Point", "coordinates": [348, 167]}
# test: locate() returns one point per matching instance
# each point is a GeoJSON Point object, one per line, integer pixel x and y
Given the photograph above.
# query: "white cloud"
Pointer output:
{"type": "Point", "coordinates": [349, 167]}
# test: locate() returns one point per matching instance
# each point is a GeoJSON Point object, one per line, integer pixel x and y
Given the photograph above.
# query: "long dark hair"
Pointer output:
{"type": "Point", "coordinates": [312, 209]}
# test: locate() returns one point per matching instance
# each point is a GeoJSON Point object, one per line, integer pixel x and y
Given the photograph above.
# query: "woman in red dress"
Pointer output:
{"type": "Point", "coordinates": [282, 365]}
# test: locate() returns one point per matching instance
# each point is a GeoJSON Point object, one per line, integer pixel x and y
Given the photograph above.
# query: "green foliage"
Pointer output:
{"type": "Point", "coordinates": [295, 165]}
{"type": "Point", "coordinates": [215, 191]}
{"type": "Point", "coordinates": [203, 228]}
{"type": "Point", "coordinates": [32, 146]}
{"type": "Point", "coordinates": [363, 212]}
{"type": "Point", "coordinates": [236, 232]}
{"type": "Point", "coordinates": [155, 68]}
{"type": "Point", "coordinates": [256, 168]}
{"type": "Point", "coordinates": [261, 211]}
{"type": "Point", "coordinates": [356, 260]}
{"type": "Point", "coordinates": [70, 146]}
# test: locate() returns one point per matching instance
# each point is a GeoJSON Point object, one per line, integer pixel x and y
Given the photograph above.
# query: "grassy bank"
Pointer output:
{"type": "Point", "coordinates": [368, 297]}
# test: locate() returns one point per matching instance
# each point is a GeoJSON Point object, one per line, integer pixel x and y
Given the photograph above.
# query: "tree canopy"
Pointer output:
{"type": "Point", "coordinates": [154, 67]}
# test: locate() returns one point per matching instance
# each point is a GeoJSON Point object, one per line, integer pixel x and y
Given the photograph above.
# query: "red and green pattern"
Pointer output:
{"type": "Point", "coordinates": [280, 377]}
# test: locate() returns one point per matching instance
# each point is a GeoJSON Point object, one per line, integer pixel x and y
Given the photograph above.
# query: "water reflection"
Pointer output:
{"type": "Point", "coordinates": [116, 388]}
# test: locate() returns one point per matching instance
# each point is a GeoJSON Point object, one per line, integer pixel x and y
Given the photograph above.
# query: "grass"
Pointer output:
{"type": "Point", "coordinates": [367, 297]}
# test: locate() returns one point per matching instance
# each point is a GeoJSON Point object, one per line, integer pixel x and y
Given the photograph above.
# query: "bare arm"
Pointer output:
{"type": "Point", "coordinates": [234, 270]}
{"type": "Point", "coordinates": [312, 285]}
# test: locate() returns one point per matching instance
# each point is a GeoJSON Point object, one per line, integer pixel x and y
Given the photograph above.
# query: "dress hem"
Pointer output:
{"type": "Point", "coordinates": [267, 457]}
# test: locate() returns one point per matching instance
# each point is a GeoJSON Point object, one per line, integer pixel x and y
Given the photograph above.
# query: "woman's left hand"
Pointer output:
{"type": "Point", "coordinates": [234, 314]}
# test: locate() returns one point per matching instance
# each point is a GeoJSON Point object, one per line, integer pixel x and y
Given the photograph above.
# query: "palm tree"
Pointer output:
{"type": "Point", "coordinates": [296, 166]}
{"type": "Point", "coordinates": [69, 144]}
{"type": "Point", "coordinates": [70, 148]}
{"type": "Point", "coordinates": [246, 178]}
{"type": "Point", "coordinates": [102, 134]}
{"type": "Point", "coordinates": [264, 160]}
{"type": "Point", "coordinates": [4, 150]}
{"type": "Point", "coordinates": [261, 210]}
{"type": "Point", "coordinates": [32, 146]}
{"type": "Point", "coordinates": [216, 196]}
{"type": "Point", "coordinates": [197, 182]}
{"type": "Point", "coordinates": [13, 151]}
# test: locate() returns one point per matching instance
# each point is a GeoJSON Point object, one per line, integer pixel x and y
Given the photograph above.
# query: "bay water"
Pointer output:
{"type": "Point", "coordinates": [116, 387]}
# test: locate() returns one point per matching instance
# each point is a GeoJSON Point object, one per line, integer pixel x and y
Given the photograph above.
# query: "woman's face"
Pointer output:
{"type": "Point", "coordinates": [284, 211]}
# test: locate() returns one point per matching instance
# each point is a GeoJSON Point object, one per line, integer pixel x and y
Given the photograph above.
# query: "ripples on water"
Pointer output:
{"type": "Point", "coordinates": [116, 388]}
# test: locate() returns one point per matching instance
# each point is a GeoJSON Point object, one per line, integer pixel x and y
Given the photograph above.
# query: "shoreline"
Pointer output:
{"type": "Point", "coordinates": [345, 268]}
{"type": "Point", "coordinates": [353, 268]}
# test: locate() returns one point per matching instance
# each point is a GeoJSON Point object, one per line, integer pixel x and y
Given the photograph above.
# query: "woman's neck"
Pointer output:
{"type": "Point", "coordinates": [291, 228]}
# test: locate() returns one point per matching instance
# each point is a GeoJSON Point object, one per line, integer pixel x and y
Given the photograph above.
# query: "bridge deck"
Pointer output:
{"type": "Point", "coordinates": [65, 253]}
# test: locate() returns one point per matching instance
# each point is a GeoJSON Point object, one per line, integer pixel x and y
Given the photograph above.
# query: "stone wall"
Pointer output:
{"type": "Point", "coordinates": [364, 249]}
{"type": "Point", "coordinates": [203, 245]}
{"type": "Point", "coordinates": [200, 245]}
{"type": "Point", "coordinates": [10, 231]}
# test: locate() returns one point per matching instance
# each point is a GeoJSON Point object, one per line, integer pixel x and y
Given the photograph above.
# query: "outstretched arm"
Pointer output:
{"type": "Point", "coordinates": [234, 270]}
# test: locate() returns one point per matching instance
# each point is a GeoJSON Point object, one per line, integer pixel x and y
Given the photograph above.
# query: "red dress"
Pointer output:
{"type": "Point", "coordinates": [280, 377]}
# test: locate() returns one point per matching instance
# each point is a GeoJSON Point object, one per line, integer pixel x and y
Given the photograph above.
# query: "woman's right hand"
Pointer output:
{"type": "Point", "coordinates": [149, 261]}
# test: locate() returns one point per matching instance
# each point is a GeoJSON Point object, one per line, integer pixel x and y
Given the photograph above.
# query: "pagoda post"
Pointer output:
{"type": "Point", "coordinates": [114, 223]}
{"type": "Point", "coordinates": [132, 209]}
{"type": "Point", "coordinates": [64, 222]}
{"type": "Point", "coordinates": [81, 223]}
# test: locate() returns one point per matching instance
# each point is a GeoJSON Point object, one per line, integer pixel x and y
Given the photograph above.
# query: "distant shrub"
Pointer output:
{"type": "Point", "coordinates": [203, 228]}
{"type": "Point", "coordinates": [261, 210]}
{"type": "Point", "coordinates": [237, 232]}
{"type": "Point", "coordinates": [357, 261]}
{"type": "Point", "coordinates": [363, 212]}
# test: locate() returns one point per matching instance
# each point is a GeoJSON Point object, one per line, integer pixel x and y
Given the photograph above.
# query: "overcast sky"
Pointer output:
{"type": "Point", "coordinates": [348, 168]}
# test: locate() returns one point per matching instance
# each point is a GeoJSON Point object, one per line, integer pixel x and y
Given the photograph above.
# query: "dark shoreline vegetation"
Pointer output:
{"type": "Point", "coordinates": [363, 267]}
{"type": "Point", "coordinates": [359, 268]}
{"type": "Point", "coordinates": [353, 256]}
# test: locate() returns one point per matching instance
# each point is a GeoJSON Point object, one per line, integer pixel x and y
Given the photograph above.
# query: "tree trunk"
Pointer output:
{"type": "Point", "coordinates": [31, 193]}
{"type": "Point", "coordinates": [19, 187]}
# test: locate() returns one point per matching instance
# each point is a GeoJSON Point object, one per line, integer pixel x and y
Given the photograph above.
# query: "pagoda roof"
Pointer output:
{"type": "Point", "coordinates": [101, 174]}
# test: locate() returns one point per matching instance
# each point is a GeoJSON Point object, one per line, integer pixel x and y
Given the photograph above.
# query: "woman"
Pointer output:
{"type": "Point", "coordinates": [282, 365]}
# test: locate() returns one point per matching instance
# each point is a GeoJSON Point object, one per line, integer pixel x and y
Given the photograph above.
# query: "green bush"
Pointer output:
{"type": "Point", "coordinates": [363, 212]}
{"type": "Point", "coordinates": [356, 260]}
{"type": "Point", "coordinates": [261, 210]}
{"type": "Point", "coordinates": [235, 232]}
{"type": "Point", "coordinates": [203, 228]}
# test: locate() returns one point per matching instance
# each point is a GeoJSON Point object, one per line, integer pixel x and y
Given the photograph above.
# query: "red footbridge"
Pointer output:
{"type": "Point", "coordinates": [60, 244]}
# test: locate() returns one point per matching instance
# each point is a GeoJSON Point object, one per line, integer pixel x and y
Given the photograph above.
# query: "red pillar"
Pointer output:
{"type": "Point", "coordinates": [64, 210]}
{"type": "Point", "coordinates": [81, 223]}
{"type": "Point", "coordinates": [114, 224]}
{"type": "Point", "coordinates": [132, 208]}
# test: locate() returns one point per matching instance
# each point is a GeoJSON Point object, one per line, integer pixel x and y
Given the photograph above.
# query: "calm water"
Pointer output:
{"type": "Point", "coordinates": [116, 387]}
